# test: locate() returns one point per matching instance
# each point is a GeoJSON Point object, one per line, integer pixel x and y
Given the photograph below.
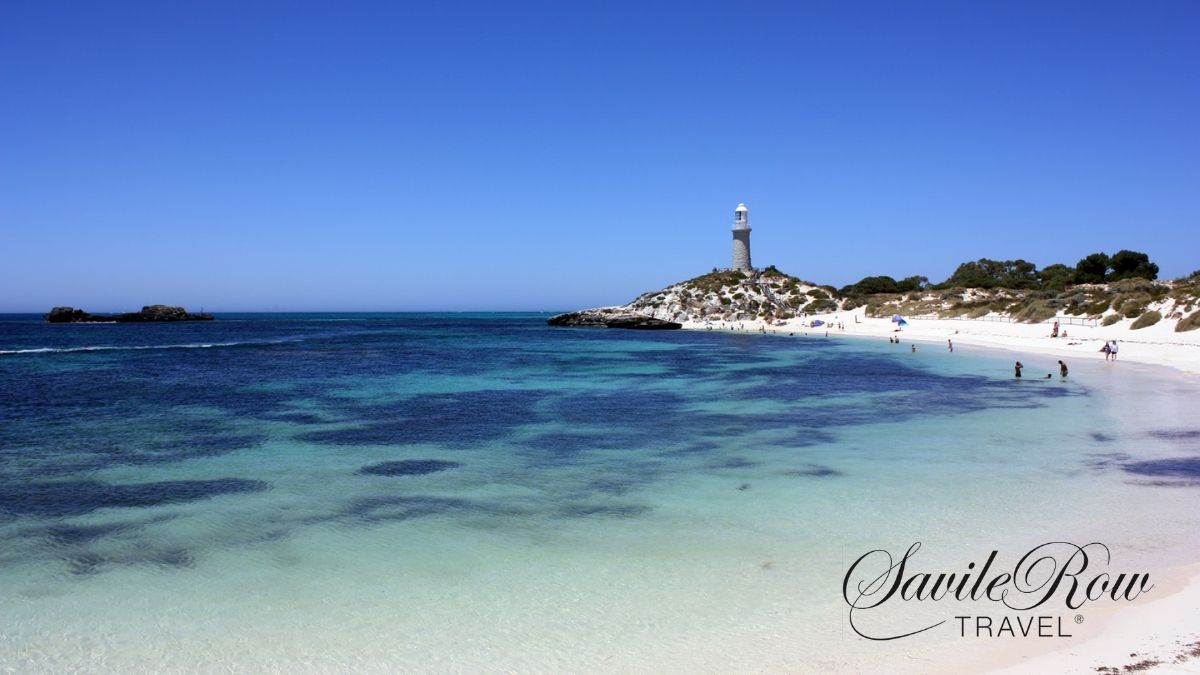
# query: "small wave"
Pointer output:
{"type": "Point", "coordinates": [111, 348]}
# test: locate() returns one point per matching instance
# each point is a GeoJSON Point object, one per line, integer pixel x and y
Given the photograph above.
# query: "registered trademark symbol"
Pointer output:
{"type": "Point", "coordinates": [1078, 618]}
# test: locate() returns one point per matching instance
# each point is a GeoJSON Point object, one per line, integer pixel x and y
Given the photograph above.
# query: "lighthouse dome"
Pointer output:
{"type": "Point", "coordinates": [741, 207]}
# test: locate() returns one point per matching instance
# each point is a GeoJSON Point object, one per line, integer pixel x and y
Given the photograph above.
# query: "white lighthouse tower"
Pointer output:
{"type": "Point", "coordinates": [741, 239]}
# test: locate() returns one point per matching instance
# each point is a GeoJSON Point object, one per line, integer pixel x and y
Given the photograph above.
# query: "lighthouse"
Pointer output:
{"type": "Point", "coordinates": [741, 239]}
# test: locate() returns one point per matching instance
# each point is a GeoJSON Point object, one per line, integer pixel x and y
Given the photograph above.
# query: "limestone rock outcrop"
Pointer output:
{"type": "Point", "coordinates": [149, 313]}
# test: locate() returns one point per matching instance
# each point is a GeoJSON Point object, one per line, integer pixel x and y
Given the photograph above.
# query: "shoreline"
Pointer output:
{"type": "Point", "coordinates": [1145, 347]}
{"type": "Point", "coordinates": [1157, 636]}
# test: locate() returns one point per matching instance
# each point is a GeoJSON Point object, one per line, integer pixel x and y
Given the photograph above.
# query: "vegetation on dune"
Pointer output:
{"type": "Point", "coordinates": [1190, 322]}
{"type": "Point", "coordinates": [1147, 319]}
{"type": "Point", "coordinates": [1124, 282]}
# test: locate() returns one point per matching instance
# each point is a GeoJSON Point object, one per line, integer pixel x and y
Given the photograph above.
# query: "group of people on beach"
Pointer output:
{"type": "Point", "coordinates": [1110, 350]}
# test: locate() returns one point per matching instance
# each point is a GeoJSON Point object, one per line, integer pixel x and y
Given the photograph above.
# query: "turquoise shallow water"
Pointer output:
{"type": "Point", "coordinates": [483, 492]}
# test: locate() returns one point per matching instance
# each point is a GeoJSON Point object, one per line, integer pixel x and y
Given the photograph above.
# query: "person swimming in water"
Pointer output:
{"type": "Point", "coordinates": [1017, 368]}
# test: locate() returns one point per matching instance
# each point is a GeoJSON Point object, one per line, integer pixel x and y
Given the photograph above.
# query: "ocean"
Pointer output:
{"type": "Point", "coordinates": [484, 493]}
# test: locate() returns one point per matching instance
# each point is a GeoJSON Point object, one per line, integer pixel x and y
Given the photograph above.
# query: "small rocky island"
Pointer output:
{"type": "Point", "coordinates": [149, 314]}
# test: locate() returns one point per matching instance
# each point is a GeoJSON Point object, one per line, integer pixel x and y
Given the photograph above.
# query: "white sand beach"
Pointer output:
{"type": "Point", "coordinates": [1155, 345]}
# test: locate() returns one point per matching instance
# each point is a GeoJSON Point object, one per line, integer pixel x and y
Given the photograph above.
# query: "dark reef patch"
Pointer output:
{"type": "Point", "coordinates": [1101, 438]}
{"type": "Point", "coordinates": [814, 471]}
{"type": "Point", "coordinates": [408, 467]}
{"type": "Point", "coordinates": [1177, 434]}
{"type": "Point", "coordinates": [74, 498]}
{"type": "Point", "coordinates": [1175, 467]}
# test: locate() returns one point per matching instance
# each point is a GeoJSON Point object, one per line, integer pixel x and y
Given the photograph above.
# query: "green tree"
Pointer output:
{"type": "Point", "coordinates": [1130, 264]}
{"type": "Point", "coordinates": [869, 285]}
{"type": "Point", "coordinates": [913, 283]}
{"type": "Point", "coordinates": [970, 275]}
{"type": "Point", "coordinates": [987, 273]}
{"type": "Point", "coordinates": [1092, 269]}
{"type": "Point", "coordinates": [1056, 277]}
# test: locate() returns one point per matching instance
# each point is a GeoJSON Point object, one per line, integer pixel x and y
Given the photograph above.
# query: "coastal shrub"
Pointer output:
{"type": "Point", "coordinates": [1076, 303]}
{"type": "Point", "coordinates": [714, 281]}
{"type": "Point", "coordinates": [821, 306]}
{"type": "Point", "coordinates": [977, 312]}
{"type": "Point", "coordinates": [817, 293]}
{"type": "Point", "coordinates": [1190, 322]}
{"type": "Point", "coordinates": [1111, 319]}
{"type": "Point", "coordinates": [1132, 286]}
{"type": "Point", "coordinates": [1097, 306]}
{"type": "Point", "coordinates": [1147, 319]}
{"type": "Point", "coordinates": [1133, 307]}
{"type": "Point", "coordinates": [1036, 311]}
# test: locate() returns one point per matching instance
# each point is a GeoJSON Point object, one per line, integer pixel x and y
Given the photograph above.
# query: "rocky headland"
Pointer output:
{"type": "Point", "coordinates": [718, 296]}
{"type": "Point", "coordinates": [149, 314]}
{"type": "Point", "coordinates": [612, 317]}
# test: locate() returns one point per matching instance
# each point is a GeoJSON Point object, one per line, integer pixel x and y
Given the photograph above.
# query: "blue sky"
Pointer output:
{"type": "Point", "coordinates": [542, 156]}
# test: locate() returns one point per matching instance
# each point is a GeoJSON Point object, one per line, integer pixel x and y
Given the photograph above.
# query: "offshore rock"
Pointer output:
{"type": "Point", "coordinates": [149, 313]}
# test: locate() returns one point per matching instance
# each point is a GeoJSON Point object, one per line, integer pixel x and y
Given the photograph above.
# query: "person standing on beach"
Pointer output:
{"type": "Point", "coordinates": [1113, 350]}
{"type": "Point", "coordinates": [1017, 368]}
{"type": "Point", "coordinates": [1107, 350]}
{"type": "Point", "coordinates": [1062, 369]}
